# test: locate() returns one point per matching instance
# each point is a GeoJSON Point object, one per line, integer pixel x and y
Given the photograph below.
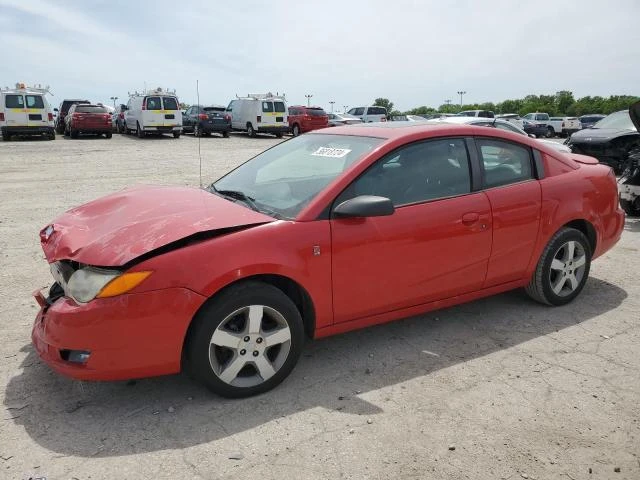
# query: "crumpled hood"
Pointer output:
{"type": "Point", "coordinates": [113, 230]}
{"type": "Point", "coordinates": [598, 135]}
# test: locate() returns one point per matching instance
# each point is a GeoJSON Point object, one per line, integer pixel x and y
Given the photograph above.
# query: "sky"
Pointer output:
{"type": "Point", "coordinates": [350, 51]}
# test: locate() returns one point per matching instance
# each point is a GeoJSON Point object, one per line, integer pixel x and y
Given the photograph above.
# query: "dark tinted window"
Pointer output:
{"type": "Point", "coordinates": [213, 109]}
{"type": "Point", "coordinates": [34, 101]}
{"type": "Point", "coordinates": [153, 103]}
{"type": "Point", "coordinates": [279, 107]}
{"type": "Point", "coordinates": [416, 173]}
{"type": "Point", "coordinates": [486, 114]}
{"type": "Point", "coordinates": [90, 109]}
{"type": "Point", "coordinates": [170, 103]}
{"type": "Point", "coordinates": [316, 112]}
{"type": "Point", "coordinates": [14, 101]}
{"type": "Point", "coordinates": [376, 111]}
{"type": "Point", "coordinates": [504, 162]}
{"type": "Point", "coordinates": [357, 111]}
{"type": "Point", "coordinates": [267, 107]}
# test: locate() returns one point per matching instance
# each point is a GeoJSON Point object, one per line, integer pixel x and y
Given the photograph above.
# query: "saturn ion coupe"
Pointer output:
{"type": "Point", "coordinates": [328, 232]}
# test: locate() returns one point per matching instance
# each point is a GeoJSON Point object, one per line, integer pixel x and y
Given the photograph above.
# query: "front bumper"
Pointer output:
{"type": "Point", "coordinates": [129, 336]}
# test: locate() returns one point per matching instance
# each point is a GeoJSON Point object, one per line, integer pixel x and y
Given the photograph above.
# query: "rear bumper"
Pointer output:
{"type": "Point", "coordinates": [273, 128]}
{"type": "Point", "coordinates": [25, 130]}
{"type": "Point", "coordinates": [215, 127]}
{"type": "Point", "coordinates": [129, 336]}
{"type": "Point", "coordinates": [93, 129]}
{"type": "Point", "coordinates": [163, 129]}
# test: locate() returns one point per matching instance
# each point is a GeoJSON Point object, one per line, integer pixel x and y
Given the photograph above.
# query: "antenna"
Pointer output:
{"type": "Point", "coordinates": [199, 155]}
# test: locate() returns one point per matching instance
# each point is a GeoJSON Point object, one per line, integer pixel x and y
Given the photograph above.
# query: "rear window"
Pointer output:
{"type": "Point", "coordinates": [267, 107]}
{"type": "Point", "coordinates": [170, 103]}
{"type": "Point", "coordinates": [279, 107]}
{"type": "Point", "coordinates": [316, 112]}
{"type": "Point", "coordinates": [377, 111]}
{"type": "Point", "coordinates": [214, 109]}
{"type": "Point", "coordinates": [153, 103]}
{"type": "Point", "coordinates": [90, 109]}
{"type": "Point", "coordinates": [35, 101]}
{"type": "Point", "coordinates": [14, 101]}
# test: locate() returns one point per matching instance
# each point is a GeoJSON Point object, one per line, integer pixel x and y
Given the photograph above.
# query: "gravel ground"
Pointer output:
{"type": "Point", "coordinates": [501, 388]}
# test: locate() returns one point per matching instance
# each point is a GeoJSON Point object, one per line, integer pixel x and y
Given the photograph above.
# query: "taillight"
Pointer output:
{"type": "Point", "coordinates": [383, 119]}
{"type": "Point", "coordinates": [50, 117]}
{"type": "Point", "coordinates": [107, 117]}
{"type": "Point", "coordinates": [203, 116]}
{"type": "Point", "coordinates": [144, 105]}
{"type": "Point", "coordinates": [259, 118]}
{"type": "Point", "coordinates": [1, 117]}
{"type": "Point", "coordinates": [227, 118]}
{"type": "Point", "coordinates": [75, 115]}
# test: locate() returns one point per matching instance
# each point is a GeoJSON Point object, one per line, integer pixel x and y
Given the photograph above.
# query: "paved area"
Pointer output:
{"type": "Point", "coordinates": [501, 388]}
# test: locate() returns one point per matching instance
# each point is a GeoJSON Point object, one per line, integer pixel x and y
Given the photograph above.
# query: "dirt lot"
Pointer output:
{"type": "Point", "coordinates": [501, 388]}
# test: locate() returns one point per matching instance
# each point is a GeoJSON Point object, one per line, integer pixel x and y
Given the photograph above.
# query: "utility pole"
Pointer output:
{"type": "Point", "coordinates": [345, 108]}
{"type": "Point", "coordinates": [461, 93]}
{"type": "Point", "coordinates": [114, 101]}
{"type": "Point", "coordinates": [332, 102]}
{"type": "Point", "coordinates": [308, 99]}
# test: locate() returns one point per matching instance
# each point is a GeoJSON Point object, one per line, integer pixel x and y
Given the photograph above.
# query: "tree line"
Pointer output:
{"type": "Point", "coordinates": [561, 104]}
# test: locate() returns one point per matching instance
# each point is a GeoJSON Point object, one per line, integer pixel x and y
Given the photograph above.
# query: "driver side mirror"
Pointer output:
{"type": "Point", "coordinates": [531, 135]}
{"type": "Point", "coordinates": [364, 206]}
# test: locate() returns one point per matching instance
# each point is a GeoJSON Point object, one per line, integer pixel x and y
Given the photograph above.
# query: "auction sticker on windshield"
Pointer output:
{"type": "Point", "coordinates": [331, 152]}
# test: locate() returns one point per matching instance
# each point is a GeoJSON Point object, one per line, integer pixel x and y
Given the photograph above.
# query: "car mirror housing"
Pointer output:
{"type": "Point", "coordinates": [364, 206]}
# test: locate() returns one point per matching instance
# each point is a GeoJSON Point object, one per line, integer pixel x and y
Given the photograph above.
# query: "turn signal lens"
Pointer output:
{"type": "Point", "coordinates": [122, 284]}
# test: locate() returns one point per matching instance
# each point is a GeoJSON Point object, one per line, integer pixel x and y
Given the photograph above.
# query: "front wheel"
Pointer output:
{"type": "Point", "coordinates": [139, 131]}
{"type": "Point", "coordinates": [551, 132]}
{"type": "Point", "coordinates": [245, 341]}
{"type": "Point", "coordinates": [176, 134]}
{"type": "Point", "coordinates": [563, 268]}
{"type": "Point", "coordinates": [250, 131]}
{"type": "Point", "coordinates": [295, 130]}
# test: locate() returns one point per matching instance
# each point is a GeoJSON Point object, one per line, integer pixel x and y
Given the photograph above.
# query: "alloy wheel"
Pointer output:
{"type": "Point", "coordinates": [567, 268]}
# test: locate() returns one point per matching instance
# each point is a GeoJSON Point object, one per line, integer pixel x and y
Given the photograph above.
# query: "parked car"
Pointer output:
{"type": "Point", "coordinates": [305, 119]}
{"type": "Point", "coordinates": [153, 112]}
{"type": "Point", "coordinates": [25, 111]}
{"type": "Point", "coordinates": [339, 119]}
{"type": "Point", "coordinates": [62, 113]}
{"type": "Point", "coordinates": [408, 118]}
{"type": "Point", "coordinates": [588, 121]}
{"type": "Point", "coordinates": [259, 113]}
{"type": "Point", "coordinates": [535, 128]}
{"type": "Point", "coordinates": [328, 232]}
{"type": "Point", "coordinates": [500, 124]}
{"type": "Point", "coordinates": [117, 118]}
{"type": "Point", "coordinates": [85, 118]}
{"type": "Point", "coordinates": [540, 119]}
{"type": "Point", "coordinates": [477, 113]}
{"type": "Point", "coordinates": [563, 126]}
{"type": "Point", "coordinates": [512, 118]}
{"type": "Point", "coordinates": [369, 114]}
{"type": "Point", "coordinates": [610, 140]}
{"type": "Point", "coordinates": [206, 119]}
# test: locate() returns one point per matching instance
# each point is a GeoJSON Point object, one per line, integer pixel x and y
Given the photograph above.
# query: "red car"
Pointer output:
{"type": "Point", "coordinates": [87, 118]}
{"type": "Point", "coordinates": [305, 119]}
{"type": "Point", "coordinates": [324, 233]}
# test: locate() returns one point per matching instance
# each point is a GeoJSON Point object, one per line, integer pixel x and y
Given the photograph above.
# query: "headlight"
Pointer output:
{"type": "Point", "coordinates": [90, 282]}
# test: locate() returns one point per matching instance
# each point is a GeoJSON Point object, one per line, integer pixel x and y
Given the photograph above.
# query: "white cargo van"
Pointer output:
{"type": "Point", "coordinates": [370, 114]}
{"type": "Point", "coordinates": [25, 111]}
{"type": "Point", "coordinates": [259, 113]}
{"type": "Point", "coordinates": [154, 111]}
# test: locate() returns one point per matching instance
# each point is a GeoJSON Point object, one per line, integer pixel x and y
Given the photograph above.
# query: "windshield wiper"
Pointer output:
{"type": "Point", "coordinates": [237, 195]}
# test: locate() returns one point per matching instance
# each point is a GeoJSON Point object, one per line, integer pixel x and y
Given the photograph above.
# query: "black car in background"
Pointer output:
{"type": "Point", "coordinates": [588, 121]}
{"type": "Point", "coordinates": [205, 119]}
{"type": "Point", "coordinates": [609, 140]}
{"type": "Point", "coordinates": [535, 128]}
{"type": "Point", "coordinates": [62, 113]}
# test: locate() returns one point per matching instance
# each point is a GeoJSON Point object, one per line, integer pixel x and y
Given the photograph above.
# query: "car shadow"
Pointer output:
{"type": "Point", "coordinates": [107, 419]}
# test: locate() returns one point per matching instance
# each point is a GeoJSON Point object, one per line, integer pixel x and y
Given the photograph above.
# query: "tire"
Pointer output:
{"type": "Point", "coordinates": [139, 131]}
{"type": "Point", "coordinates": [51, 135]}
{"type": "Point", "coordinates": [197, 131]}
{"type": "Point", "coordinates": [227, 316]}
{"type": "Point", "coordinates": [295, 130]}
{"type": "Point", "coordinates": [550, 132]}
{"type": "Point", "coordinates": [121, 128]}
{"type": "Point", "coordinates": [279, 135]}
{"type": "Point", "coordinates": [74, 133]}
{"type": "Point", "coordinates": [66, 132]}
{"type": "Point", "coordinates": [631, 208]}
{"type": "Point", "coordinates": [176, 134]}
{"type": "Point", "coordinates": [108, 135]}
{"type": "Point", "coordinates": [6, 136]}
{"type": "Point", "coordinates": [551, 283]}
{"type": "Point", "coordinates": [250, 131]}
{"type": "Point", "coordinates": [225, 134]}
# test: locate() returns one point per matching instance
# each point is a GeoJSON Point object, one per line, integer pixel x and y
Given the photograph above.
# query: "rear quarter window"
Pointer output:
{"type": "Point", "coordinates": [14, 101]}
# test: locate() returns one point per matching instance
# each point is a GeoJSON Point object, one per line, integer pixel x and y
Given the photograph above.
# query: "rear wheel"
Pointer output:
{"type": "Point", "coordinates": [225, 134]}
{"type": "Point", "coordinates": [563, 268]}
{"type": "Point", "coordinates": [176, 134]}
{"type": "Point", "coordinates": [279, 135]}
{"type": "Point", "coordinates": [74, 133]}
{"type": "Point", "coordinates": [197, 131]}
{"type": "Point", "coordinates": [108, 135]}
{"type": "Point", "coordinates": [250, 131]}
{"type": "Point", "coordinates": [245, 341]}
{"type": "Point", "coordinates": [296, 130]}
{"type": "Point", "coordinates": [550, 132]}
{"type": "Point", "coordinates": [139, 131]}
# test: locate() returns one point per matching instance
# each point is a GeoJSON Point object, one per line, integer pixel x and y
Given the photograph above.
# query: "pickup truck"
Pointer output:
{"type": "Point", "coordinates": [561, 126]}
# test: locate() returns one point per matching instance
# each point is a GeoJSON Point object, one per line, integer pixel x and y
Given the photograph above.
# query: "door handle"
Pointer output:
{"type": "Point", "coordinates": [470, 218]}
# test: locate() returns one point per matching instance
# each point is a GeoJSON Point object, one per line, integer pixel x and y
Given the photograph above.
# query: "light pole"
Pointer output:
{"type": "Point", "coordinates": [308, 99]}
{"type": "Point", "coordinates": [461, 93]}
{"type": "Point", "coordinates": [332, 102]}
{"type": "Point", "coordinates": [114, 101]}
{"type": "Point", "coordinates": [345, 108]}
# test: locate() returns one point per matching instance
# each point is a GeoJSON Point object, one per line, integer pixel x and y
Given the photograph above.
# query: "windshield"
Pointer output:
{"type": "Point", "coordinates": [619, 121]}
{"type": "Point", "coordinates": [284, 179]}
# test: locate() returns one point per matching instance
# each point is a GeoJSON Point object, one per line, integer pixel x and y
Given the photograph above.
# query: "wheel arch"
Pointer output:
{"type": "Point", "coordinates": [587, 229]}
{"type": "Point", "coordinates": [292, 289]}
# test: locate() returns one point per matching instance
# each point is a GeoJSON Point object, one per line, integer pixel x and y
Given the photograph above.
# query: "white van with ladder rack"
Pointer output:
{"type": "Point", "coordinates": [25, 111]}
{"type": "Point", "coordinates": [259, 113]}
{"type": "Point", "coordinates": [153, 112]}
